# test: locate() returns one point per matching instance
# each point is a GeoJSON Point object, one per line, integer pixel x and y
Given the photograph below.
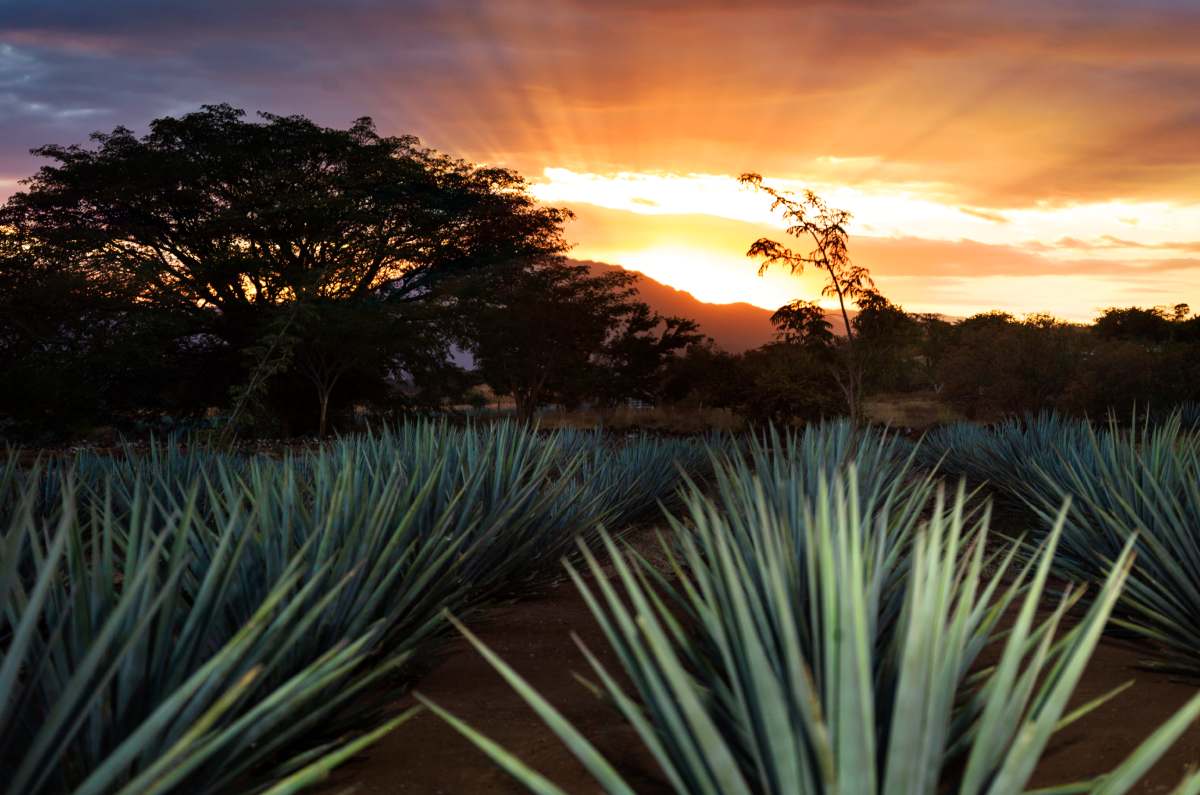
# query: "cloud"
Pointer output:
{"type": "Point", "coordinates": [995, 218]}
{"type": "Point", "coordinates": [706, 256]}
{"type": "Point", "coordinates": [1004, 104]}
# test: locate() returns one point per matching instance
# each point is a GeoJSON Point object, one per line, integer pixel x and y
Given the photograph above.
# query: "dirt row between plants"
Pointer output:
{"type": "Point", "coordinates": [425, 755]}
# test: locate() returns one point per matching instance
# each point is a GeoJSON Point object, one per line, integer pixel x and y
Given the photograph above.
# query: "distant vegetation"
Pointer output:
{"type": "Point", "coordinates": [279, 278]}
{"type": "Point", "coordinates": [984, 367]}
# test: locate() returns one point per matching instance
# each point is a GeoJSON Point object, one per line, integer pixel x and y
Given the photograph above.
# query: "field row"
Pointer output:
{"type": "Point", "coordinates": [837, 611]}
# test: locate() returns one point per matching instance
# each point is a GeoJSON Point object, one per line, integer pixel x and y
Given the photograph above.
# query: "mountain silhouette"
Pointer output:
{"type": "Point", "coordinates": [735, 327]}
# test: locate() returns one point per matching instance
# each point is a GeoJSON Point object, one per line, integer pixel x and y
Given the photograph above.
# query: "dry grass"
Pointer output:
{"type": "Point", "coordinates": [658, 419]}
{"type": "Point", "coordinates": [915, 410]}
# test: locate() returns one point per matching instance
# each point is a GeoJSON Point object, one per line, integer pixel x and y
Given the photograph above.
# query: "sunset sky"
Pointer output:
{"type": "Point", "coordinates": [1028, 156]}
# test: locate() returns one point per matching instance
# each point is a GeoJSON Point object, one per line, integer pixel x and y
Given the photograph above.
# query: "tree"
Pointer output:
{"type": "Point", "coordinates": [339, 340]}
{"type": "Point", "coordinates": [999, 365]}
{"type": "Point", "coordinates": [700, 377]}
{"type": "Point", "coordinates": [1135, 323]}
{"type": "Point", "coordinates": [550, 331]}
{"type": "Point", "coordinates": [810, 218]}
{"type": "Point", "coordinates": [215, 222]}
{"type": "Point", "coordinates": [935, 340]}
{"type": "Point", "coordinates": [75, 352]}
{"type": "Point", "coordinates": [634, 361]}
{"type": "Point", "coordinates": [887, 339]}
{"type": "Point", "coordinates": [804, 323]}
{"type": "Point", "coordinates": [781, 382]}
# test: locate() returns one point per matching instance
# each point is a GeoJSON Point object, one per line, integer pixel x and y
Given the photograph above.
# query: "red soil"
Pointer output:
{"type": "Point", "coordinates": [425, 755]}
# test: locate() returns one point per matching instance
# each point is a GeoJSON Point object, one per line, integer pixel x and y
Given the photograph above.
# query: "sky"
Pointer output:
{"type": "Point", "coordinates": [1024, 156]}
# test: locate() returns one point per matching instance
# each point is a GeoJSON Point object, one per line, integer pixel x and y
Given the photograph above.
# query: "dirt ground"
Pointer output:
{"type": "Point", "coordinates": [425, 755]}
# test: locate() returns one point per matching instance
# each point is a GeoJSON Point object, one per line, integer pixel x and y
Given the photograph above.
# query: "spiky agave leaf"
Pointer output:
{"type": "Point", "coordinates": [732, 698]}
{"type": "Point", "coordinates": [1143, 484]}
{"type": "Point", "coordinates": [87, 706]}
{"type": "Point", "coordinates": [1141, 480]}
{"type": "Point", "coordinates": [341, 558]}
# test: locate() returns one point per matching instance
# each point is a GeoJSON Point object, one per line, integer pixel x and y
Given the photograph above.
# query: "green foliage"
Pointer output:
{"type": "Point", "coordinates": [137, 664]}
{"type": "Point", "coordinates": [1138, 485]}
{"type": "Point", "coordinates": [825, 643]}
{"type": "Point", "coordinates": [194, 621]}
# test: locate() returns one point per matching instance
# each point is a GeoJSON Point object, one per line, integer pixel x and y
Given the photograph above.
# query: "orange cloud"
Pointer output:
{"type": "Point", "coordinates": [705, 255]}
{"type": "Point", "coordinates": [990, 151]}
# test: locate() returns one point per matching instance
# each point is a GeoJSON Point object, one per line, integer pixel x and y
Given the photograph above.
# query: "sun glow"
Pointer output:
{"type": "Point", "coordinates": [711, 276]}
{"type": "Point", "coordinates": [928, 252]}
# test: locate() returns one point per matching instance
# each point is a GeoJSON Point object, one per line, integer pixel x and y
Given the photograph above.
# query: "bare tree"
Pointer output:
{"type": "Point", "coordinates": [810, 219]}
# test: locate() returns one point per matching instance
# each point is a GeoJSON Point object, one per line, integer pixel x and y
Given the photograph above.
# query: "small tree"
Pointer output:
{"type": "Point", "coordinates": [810, 218]}
{"type": "Point", "coordinates": [888, 340]}
{"type": "Point", "coordinates": [803, 322]}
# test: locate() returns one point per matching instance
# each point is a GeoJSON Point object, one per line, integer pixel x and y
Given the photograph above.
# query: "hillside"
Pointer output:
{"type": "Point", "coordinates": [735, 327]}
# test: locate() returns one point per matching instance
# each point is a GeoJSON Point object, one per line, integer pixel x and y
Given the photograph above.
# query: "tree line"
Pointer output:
{"type": "Point", "coordinates": [284, 274]}
{"type": "Point", "coordinates": [986, 366]}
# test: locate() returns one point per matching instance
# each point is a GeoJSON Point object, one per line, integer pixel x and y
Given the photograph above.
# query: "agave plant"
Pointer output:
{"type": "Point", "coordinates": [1143, 484]}
{"type": "Point", "coordinates": [1005, 456]}
{"type": "Point", "coordinates": [632, 476]}
{"type": "Point", "coordinates": [227, 625]}
{"type": "Point", "coordinates": [185, 620]}
{"type": "Point", "coordinates": [768, 665]}
{"type": "Point", "coordinates": [1142, 480]}
{"type": "Point", "coordinates": [111, 680]}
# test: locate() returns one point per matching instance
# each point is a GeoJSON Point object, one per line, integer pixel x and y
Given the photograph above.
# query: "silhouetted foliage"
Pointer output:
{"type": "Point", "coordinates": [191, 238]}
{"type": "Point", "coordinates": [551, 332]}
{"type": "Point", "coordinates": [1134, 323]}
{"type": "Point", "coordinates": [888, 340]}
{"type": "Point", "coordinates": [703, 376]}
{"type": "Point", "coordinates": [935, 340]}
{"type": "Point", "coordinates": [780, 382]}
{"type": "Point", "coordinates": [998, 364]}
{"type": "Point", "coordinates": [803, 322]}
{"type": "Point", "coordinates": [287, 274]}
{"type": "Point", "coordinates": [633, 363]}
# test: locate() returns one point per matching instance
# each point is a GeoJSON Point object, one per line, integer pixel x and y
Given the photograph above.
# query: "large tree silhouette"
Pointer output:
{"type": "Point", "coordinates": [222, 221]}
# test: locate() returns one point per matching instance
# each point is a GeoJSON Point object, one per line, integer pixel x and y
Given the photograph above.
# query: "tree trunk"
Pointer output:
{"type": "Point", "coordinates": [853, 376]}
{"type": "Point", "coordinates": [524, 406]}
{"type": "Point", "coordinates": [324, 398]}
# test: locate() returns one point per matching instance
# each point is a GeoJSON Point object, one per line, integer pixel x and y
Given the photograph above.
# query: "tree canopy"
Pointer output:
{"type": "Point", "coordinates": [210, 224]}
